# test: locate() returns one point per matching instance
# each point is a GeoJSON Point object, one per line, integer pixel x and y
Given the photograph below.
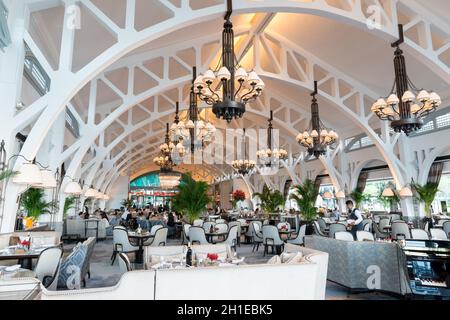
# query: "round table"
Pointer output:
{"type": "Point", "coordinates": [210, 235]}
{"type": "Point", "coordinates": [140, 237]}
{"type": "Point", "coordinates": [20, 273]}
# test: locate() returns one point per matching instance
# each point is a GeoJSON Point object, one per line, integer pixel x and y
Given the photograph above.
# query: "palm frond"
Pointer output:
{"type": "Point", "coordinates": [305, 195]}
{"type": "Point", "coordinates": [270, 200]}
{"type": "Point", "coordinates": [33, 201]}
{"type": "Point", "coordinates": [7, 174]}
{"type": "Point", "coordinates": [426, 194]}
{"type": "Point", "coordinates": [69, 203]}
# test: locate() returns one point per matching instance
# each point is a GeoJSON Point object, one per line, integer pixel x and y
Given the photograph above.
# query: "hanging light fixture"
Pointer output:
{"type": "Point", "coordinates": [177, 138]}
{"type": "Point", "coordinates": [195, 133]}
{"type": "Point", "coordinates": [317, 138]}
{"type": "Point", "coordinates": [243, 166]}
{"type": "Point", "coordinates": [164, 160]}
{"type": "Point", "coordinates": [271, 156]}
{"type": "Point", "coordinates": [91, 192]}
{"type": "Point", "coordinates": [73, 188]}
{"type": "Point", "coordinates": [406, 106]}
{"type": "Point", "coordinates": [229, 88]}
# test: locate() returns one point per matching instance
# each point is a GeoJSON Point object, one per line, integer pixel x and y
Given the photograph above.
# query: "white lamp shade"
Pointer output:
{"type": "Point", "coordinates": [405, 192]}
{"type": "Point", "coordinates": [90, 193]}
{"type": "Point", "coordinates": [29, 174]}
{"type": "Point", "coordinates": [388, 192]}
{"type": "Point", "coordinates": [48, 180]}
{"type": "Point", "coordinates": [73, 188]}
{"type": "Point", "coordinates": [340, 194]}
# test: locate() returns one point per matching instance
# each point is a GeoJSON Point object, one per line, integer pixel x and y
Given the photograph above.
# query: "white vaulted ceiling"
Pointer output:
{"type": "Point", "coordinates": [347, 58]}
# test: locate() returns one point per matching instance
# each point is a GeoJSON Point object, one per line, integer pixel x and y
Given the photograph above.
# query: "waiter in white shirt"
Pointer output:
{"type": "Point", "coordinates": [125, 214]}
{"type": "Point", "coordinates": [356, 218]}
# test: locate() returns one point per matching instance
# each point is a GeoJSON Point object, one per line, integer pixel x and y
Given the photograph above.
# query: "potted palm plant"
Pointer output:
{"type": "Point", "coordinates": [270, 200]}
{"type": "Point", "coordinates": [305, 195]}
{"type": "Point", "coordinates": [358, 196]}
{"type": "Point", "coordinates": [69, 203]}
{"type": "Point", "coordinates": [426, 194]}
{"type": "Point", "coordinates": [192, 197]}
{"type": "Point", "coordinates": [33, 201]}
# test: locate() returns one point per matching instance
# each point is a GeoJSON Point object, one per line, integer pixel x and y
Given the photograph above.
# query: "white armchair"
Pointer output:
{"type": "Point", "coordinates": [300, 239]}
{"type": "Point", "coordinates": [186, 228]}
{"type": "Point", "coordinates": [271, 238]}
{"type": "Point", "coordinates": [364, 236]}
{"type": "Point", "coordinates": [231, 239]}
{"type": "Point", "coordinates": [344, 235]}
{"type": "Point", "coordinates": [124, 263]}
{"type": "Point", "coordinates": [197, 235]}
{"type": "Point", "coordinates": [153, 230]}
{"type": "Point", "coordinates": [160, 238]}
{"type": "Point", "coordinates": [121, 243]}
{"type": "Point", "coordinates": [438, 234]}
{"type": "Point", "coordinates": [419, 234]}
{"type": "Point", "coordinates": [47, 267]}
{"type": "Point", "coordinates": [198, 223]}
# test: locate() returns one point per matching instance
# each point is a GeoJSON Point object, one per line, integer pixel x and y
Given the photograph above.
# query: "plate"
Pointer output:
{"type": "Point", "coordinates": [12, 268]}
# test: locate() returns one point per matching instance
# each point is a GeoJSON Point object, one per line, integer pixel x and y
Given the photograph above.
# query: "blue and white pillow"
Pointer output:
{"type": "Point", "coordinates": [71, 268]}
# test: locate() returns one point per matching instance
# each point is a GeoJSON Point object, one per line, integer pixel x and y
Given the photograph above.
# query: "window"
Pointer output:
{"type": "Point", "coordinates": [5, 38]}
{"type": "Point", "coordinates": [34, 72]}
{"type": "Point", "coordinates": [72, 124]}
{"type": "Point", "coordinates": [443, 121]}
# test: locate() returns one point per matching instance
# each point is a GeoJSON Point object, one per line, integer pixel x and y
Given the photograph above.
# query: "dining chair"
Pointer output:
{"type": "Point", "coordinates": [419, 234]}
{"type": "Point", "coordinates": [220, 228]}
{"type": "Point", "coordinates": [220, 221]}
{"type": "Point", "coordinates": [186, 228]}
{"type": "Point", "coordinates": [121, 243]}
{"type": "Point", "coordinates": [160, 238]}
{"type": "Point", "coordinates": [197, 222]}
{"type": "Point", "coordinates": [257, 236]}
{"type": "Point", "coordinates": [446, 228]}
{"type": "Point", "coordinates": [251, 230]}
{"type": "Point", "coordinates": [197, 235]}
{"type": "Point", "coordinates": [266, 222]}
{"type": "Point", "coordinates": [317, 229]}
{"type": "Point", "coordinates": [239, 230]}
{"type": "Point", "coordinates": [231, 239]}
{"type": "Point", "coordinates": [395, 217]}
{"type": "Point", "coordinates": [124, 263]}
{"type": "Point", "coordinates": [336, 227]}
{"type": "Point", "coordinates": [300, 239]}
{"type": "Point", "coordinates": [384, 222]}
{"type": "Point", "coordinates": [47, 267]}
{"type": "Point", "coordinates": [367, 226]}
{"type": "Point", "coordinates": [322, 225]}
{"type": "Point", "coordinates": [379, 234]}
{"type": "Point", "coordinates": [364, 236]}
{"type": "Point", "coordinates": [344, 235]}
{"type": "Point", "coordinates": [438, 234]}
{"type": "Point", "coordinates": [153, 230]}
{"type": "Point", "coordinates": [400, 230]}
{"type": "Point", "coordinates": [271, 238]}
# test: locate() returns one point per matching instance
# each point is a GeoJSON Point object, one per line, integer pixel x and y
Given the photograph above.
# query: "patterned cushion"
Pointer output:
{"type": "Point", "coordinates": [274, 260]}
{"type": "Point", "coordinates": [287, 257]}
{"type": "Point", "coordinates": [71, 267]}
{"type": "Point", "coordinates": [297, 258]}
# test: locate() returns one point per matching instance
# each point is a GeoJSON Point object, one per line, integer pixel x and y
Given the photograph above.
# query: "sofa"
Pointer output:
{"type": "Point", "coordinates": [77, 228]}
{"type": "Point", "coordinates": [305, 280]}
{"type": "Point", "coordinates": [356, 265]}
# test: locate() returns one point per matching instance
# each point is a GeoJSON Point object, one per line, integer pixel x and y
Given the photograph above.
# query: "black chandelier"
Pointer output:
{"type": "Point", "coordinates": [229, 88]}
{"type": "Point", "coordinates": [195, 133]}
{"type": "Point", "coordinates": [244, 166]}
{"type": "Point", "coordinates": [271, 155]}
{"type": "Point", "coordinates": [164, 159]}
{"type": "Point", "coordinates": [406, 105]}
{"type": "Point", "coordinates": [318, 137]}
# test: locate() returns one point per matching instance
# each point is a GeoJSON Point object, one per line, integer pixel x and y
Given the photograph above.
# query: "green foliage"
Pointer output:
{"type": "Point", "coordinates": [34, 203]}
{"type": "Point", "coordinates": [305, 195]}
{"type": "Point", "coordinates": [69, 203]}
{"type": "Point", "coordinates": [358, 197]}
{"type": "Point", "coordinates": [270, 200]}
{"type": "Point", "coordinates": [7, 174]}
{"type": "Point", "coordinates": [127, 203]}
{"type": "Point", "coordinates": [192, 197]}
{"type": "Point", "coordinates": [387, 202]}
{"type": "Point", "coordinates": [426, 194]}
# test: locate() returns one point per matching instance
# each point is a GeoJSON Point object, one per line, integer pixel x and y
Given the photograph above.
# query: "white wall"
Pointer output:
{"type": "Point", "coordinates": [118, 192]}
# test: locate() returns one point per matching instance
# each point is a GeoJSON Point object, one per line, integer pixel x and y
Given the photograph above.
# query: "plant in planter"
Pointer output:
{"type": "Point", "coordinates": [237, 195]}
{"type": "Point", "coordinates": [305, 195]}
{"type": "Point", "coordinates": [387, 202]}
{"type": "Point", "coordinates": [33, 201]}
{"type": "Point", "coordinates": [126, 203]}
{"type": "Point", "coordinates": [426, 194]}
{"type": "Point", "coordinates": [358, 196]}
{"type": "Point", "coordinates": [270, 200]}
{"type": "Point", "coordinates": [192, 197]}
{"type": "Point", "coordinates": [69, 203]}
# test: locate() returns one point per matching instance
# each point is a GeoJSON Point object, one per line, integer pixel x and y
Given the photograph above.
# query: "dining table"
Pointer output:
{"type": "Point", "coordinates": [23, 256]}
{"type": "Point", "coordinates": [210, 235]}
{"type": "Point", "coordinates": [140, 238]}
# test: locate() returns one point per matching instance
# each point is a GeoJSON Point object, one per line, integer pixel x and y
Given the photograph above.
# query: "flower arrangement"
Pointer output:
{"type": "Point", "coordinates": [212, 256]}
{"type": "Point", "coordinates": [284, 228]}
{"type": "Point", "coordinates": [237, 195]}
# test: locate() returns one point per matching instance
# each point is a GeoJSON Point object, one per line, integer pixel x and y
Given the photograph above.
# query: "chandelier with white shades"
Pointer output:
{"type": "Point", "coordinates": [194, 132]}
{"type": "Point", "coordinates": [271, 156]}
{"type": "Point", "coordinates": [317, 138]}
{"type": "Point", "coordinates": [243, 166]}
{"type": "Point", "coordinates": [179, 151]}
{"type": "Point", "coordinates": [406, 106]}
{"type": "Point", "coordinates": [228, 88]}
{"type": "Point", "coordinates": [164, 159]}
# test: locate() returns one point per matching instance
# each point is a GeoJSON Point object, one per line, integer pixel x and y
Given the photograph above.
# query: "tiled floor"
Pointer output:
{"type": "Point", "coordinates": [104, 275]}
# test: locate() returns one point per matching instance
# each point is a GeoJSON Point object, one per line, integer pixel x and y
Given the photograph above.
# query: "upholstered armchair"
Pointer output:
{"type": "Point", "coordinates": [271, 238]}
